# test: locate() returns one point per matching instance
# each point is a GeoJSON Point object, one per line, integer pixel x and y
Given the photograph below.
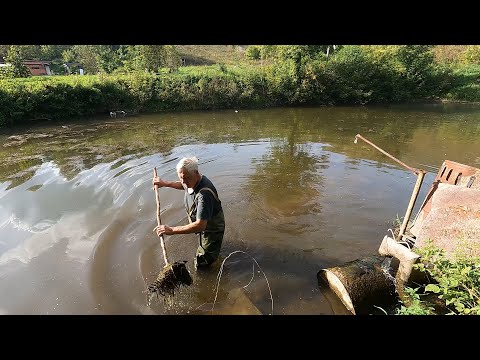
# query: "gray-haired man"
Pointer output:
{"type": "Point", "coordinates": [204, 211]}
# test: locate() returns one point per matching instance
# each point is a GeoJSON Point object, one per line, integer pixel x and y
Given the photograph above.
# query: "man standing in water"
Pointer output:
{"type": "Point", "coordinates": [204, 211]}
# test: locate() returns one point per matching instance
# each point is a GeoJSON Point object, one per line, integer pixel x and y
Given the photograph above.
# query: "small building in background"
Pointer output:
{"type": "Point", "coordinates": [38, 68]}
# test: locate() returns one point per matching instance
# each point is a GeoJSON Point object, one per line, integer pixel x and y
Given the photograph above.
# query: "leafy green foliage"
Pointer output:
{"type": "Point", "coordinates": [455, 281]}
{"type": "Point", "coordinates": [286, 75]}
{"type": "Point", "coordinates": [87, 56]}
{"type": "Point", "coordinates": [68, 55]}
{"type": "Point", "coordinates": [470, 56]}
{"type": "Point", "coordinates": [107, 58]}
{"type": "Point", "coordinates": [153, 58]}
{"type": "Point", "coordinates": [465, 84]}
{"type": "Point", "coordinates": [17, 68]}
{"type": "Point", "coordinates": [415, 305]}
{"type": "Point", "coordinates": [253, 52]}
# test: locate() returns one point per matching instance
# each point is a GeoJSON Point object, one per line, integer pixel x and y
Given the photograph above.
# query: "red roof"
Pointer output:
{"type": "Point", "coordinates": [35, 62]}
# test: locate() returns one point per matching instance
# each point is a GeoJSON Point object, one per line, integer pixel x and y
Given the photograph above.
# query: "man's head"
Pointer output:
{"type": "Point", "coordinates": [187, 171]}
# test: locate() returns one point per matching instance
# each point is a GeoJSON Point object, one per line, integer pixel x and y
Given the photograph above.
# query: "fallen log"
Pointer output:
{"type": "Point", "coordinates": [362, 284]}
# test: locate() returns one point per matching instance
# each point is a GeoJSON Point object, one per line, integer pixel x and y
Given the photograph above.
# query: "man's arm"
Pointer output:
{"type": "Point", "coordinates": [162, 183]}
{"type": "Point", "coordinates": [194, 227]}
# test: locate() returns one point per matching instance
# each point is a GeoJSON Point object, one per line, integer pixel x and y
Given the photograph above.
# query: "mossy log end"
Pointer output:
{"type": "Point", "coordinates": [362, 283]}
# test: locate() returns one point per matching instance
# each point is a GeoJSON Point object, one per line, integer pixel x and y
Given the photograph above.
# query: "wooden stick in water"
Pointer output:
{"type": "Point", "coordinates": [159, 221]}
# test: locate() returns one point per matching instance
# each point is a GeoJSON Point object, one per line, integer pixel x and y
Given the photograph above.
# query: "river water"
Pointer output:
{"type": "Point", "coordinates": [77, 208]}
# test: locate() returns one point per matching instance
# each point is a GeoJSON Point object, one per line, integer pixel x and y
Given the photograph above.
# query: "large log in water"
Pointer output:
{"type": "Point", "coordinates": [362, 284]}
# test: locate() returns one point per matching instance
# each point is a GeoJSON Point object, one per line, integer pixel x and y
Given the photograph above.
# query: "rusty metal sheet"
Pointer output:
{"type": "Point", "coordinates": [452, 173]}
{"type": "Point", "coordinates": [453, 222]}
{"type": "Point", "coordinates": [455, 173]}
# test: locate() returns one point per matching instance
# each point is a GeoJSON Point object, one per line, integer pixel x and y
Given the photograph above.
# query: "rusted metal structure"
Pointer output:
{"type": "Point", "coordinates": [449, 216]}
{"type": "Point", "coordinates": [416, 189]}
{"type": "Point", "coordinates": [451, 173]}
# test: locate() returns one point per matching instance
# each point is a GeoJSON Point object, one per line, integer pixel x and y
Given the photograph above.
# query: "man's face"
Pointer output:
{"type": "Point", "coordinates": [186, 178]}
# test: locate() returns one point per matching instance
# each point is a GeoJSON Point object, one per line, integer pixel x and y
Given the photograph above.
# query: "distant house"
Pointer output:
{"type": "Point", "coordinates": [38, 68]}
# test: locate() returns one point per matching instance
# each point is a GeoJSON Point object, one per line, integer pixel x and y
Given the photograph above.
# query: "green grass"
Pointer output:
{"type": "Point", "coordinates": [212, 54]}
{"type": "Point", "coordinates": [467, 84]}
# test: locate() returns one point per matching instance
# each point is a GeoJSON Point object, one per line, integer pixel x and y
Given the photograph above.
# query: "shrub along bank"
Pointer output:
{"type": "Point", "coordinates": [356, 75]}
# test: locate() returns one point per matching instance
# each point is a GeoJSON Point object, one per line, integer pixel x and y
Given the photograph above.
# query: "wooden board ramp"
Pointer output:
{"type": "Point", "coordinates": [362, 284]}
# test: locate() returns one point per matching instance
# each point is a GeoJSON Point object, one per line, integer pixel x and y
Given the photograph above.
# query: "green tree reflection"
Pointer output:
{"type": "Point", "coordinates": [287, 181]}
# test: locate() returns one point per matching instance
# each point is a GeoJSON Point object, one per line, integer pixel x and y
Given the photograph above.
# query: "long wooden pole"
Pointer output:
{"type": "Point", "coordinates": [420, 175]}
{"type": "Point", "coordinates": [159, 221]}
{"type": "Point", "coordinates": [415, 171]}
{"type": "Point", "coordinates": [411, 204]}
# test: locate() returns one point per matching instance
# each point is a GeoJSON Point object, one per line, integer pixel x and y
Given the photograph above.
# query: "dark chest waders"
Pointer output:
{"type": "Point", "coordinates": [194, 207]}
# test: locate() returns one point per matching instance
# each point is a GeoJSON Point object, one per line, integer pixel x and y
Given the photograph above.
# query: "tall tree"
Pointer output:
{"type": "Point", "coordinates": [108, 58]}
{"type": "Point", "coordinates": [15, 59]}
{"type": "Point", "coordinates": [87, 56]}
{"type": "Point", "coordinates": [3, 51]}
{"type": "Point", "coordinates": [53, 52]}
{"type": "Point", "coordinates": [155, 57]}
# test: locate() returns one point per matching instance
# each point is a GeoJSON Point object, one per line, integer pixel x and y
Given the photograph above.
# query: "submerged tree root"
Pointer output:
{"type": "Point", "coordinates": [170, 279]}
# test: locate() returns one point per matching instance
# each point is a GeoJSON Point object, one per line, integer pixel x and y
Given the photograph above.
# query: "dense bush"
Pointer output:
{"type": "Point", "coordinates": [455, 281]}
{"type": "Point", "coordinates": [293, 75]}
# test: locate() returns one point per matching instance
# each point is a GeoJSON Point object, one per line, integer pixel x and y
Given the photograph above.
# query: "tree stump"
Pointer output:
{"type": "Point", "coordinates": [360, 284]}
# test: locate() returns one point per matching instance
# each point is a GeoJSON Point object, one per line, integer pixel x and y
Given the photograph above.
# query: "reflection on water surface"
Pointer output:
{"type": "Point", "coordinates": [77, 208]}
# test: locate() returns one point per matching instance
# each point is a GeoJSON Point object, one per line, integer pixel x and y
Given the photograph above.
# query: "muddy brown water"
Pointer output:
{"type": "Point", "coordinates": [77, 208]}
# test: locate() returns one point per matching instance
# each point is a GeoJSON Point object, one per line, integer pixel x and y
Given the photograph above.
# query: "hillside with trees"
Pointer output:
{"type": "Point", "coordinates": [153, 78]}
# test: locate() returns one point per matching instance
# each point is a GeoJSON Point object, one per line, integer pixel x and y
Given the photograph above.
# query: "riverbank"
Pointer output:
{"type": "Point", "coordinates": [355, 75]}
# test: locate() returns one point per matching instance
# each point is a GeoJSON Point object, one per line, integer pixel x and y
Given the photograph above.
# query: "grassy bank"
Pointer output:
{"type": "Point", "coordinates": [355, 75]}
